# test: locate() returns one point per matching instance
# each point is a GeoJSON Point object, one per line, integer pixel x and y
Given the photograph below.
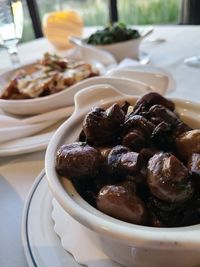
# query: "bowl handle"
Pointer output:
{"type": "Point", "coordinates": [95, 95]}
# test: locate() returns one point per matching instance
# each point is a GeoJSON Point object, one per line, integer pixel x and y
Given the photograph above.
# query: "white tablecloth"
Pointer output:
{"type": "Point", "coordinates": [18, 173]}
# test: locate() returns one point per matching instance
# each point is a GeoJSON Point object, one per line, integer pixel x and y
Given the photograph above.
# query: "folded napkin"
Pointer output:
{"type": "Point", "coordinates": [15, 128]}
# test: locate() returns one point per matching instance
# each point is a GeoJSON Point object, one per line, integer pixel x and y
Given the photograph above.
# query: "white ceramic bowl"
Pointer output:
{"type": "Point", "coordinates": [125, 243]}
{"type": "Point", "coordinates": [120, 50]}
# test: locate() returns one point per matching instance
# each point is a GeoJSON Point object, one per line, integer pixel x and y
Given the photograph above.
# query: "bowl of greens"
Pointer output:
{"type": "Point", "coordinates": [118, 39]}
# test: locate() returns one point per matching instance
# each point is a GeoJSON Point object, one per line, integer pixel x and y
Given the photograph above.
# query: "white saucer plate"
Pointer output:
{"type": "Point", "coordinates": [29, 144]}
{"type": "Point", "coordinates": [42, 246]}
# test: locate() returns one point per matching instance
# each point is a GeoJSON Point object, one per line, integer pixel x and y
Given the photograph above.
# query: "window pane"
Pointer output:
{"type": "Point", "coordinates": [149, 11]}
{"type": "Point", "coordinates": [94, 12]}
{"type": "Point", "coordinates": [28, 33]}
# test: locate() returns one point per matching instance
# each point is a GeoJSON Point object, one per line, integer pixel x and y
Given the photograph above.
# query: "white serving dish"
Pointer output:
{"type": "Point", "coordinates": [65, 97]}
{"type": "Point", "coordinates": [128, 244]}
{"type": "Point", "coordinates": [40, 104]}
{"type": "Point", "coordinates": [127, 49]}
{"type": "Point", "coordinates": [120, 50]}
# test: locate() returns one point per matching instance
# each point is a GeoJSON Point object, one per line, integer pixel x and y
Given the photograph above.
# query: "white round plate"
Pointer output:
{"type": "Point", "coordinates": [42, 246]}
{"type": "Point", "coordinates": [28, 144]}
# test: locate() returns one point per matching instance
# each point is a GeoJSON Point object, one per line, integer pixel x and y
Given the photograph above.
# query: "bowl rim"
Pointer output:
{"type": "Point", "coordinates": [162, 238]}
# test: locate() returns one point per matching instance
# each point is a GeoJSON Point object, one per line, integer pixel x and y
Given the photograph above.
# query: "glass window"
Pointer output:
{"type": "Point", "coordinates": [94, 12]}
{"type": "Point", "coordinates": [149, 11]}
{"type": "Point", "coordinates": [28, 33]}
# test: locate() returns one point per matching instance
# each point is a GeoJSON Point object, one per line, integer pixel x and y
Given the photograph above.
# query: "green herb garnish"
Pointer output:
{"type": "Point", "coordinates": [113, 34]}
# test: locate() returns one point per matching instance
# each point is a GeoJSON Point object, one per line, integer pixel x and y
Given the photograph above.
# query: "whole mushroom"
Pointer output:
{"type": "Point", "coordinates": [77, 160]}
{"type": "Point", "coordinates": [150, 99]}
{"type": "Point", "coordinates": [187, 144]}
{"type": "Point", "coordinates": [136, 132]}
{"type": "Point", "coordinates": [102, 127]}
{"type": "Point", "coordinates": [168, 179]}
{"type": "Point", "coordinates": [114, 158]}
{"type": "Point", "coordinates": [121, 203]}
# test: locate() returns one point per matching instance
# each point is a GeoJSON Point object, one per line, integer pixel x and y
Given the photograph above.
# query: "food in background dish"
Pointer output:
{"type": "Point", "coordinates": [113, 34]}
{"type": "Point", "coordinates": [139, 164]}
{"type": "Point", "coordinates": [51, 74]}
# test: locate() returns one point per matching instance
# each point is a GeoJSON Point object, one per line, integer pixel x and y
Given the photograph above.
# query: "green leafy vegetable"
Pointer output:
{"type": "Point", "coordinates": [113, 34]}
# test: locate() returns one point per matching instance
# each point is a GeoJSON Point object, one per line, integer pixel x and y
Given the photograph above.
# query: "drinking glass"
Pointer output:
{"type": "Point", "coordinates": [11, 27]}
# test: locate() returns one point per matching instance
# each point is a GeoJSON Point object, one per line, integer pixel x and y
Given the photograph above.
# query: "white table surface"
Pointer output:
{"type": "Point", "coordinates": [17, 173]}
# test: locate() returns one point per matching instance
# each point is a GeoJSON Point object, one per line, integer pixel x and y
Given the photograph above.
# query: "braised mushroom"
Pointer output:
{"type": "Point", "coordinates": [77, 160]}
{"type": "Point", "coordinates": [162, 136]}
{"type": "Point", "coordinates": [140, 123]}
{"type": "Point", "coordinates": [114, 158]}
{"type": "Point", "coordinates": [118, 202]}
{"type": "Point", "coordinates": [102, 127]}
{"type": "Point", "coordinates": [131, 162]}
{"type": "Point", "coordinates": [188, 143]}
{"type": "Point", "coordinates": [135, 139]}
{"type": "Point", "coordinates": [168, 179]}
{"type": "Point", "coordinates": [150, 99]}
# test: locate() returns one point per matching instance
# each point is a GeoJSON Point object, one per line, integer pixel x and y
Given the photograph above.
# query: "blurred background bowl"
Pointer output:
{"type": "Point", "coordinates": [120, 50]}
